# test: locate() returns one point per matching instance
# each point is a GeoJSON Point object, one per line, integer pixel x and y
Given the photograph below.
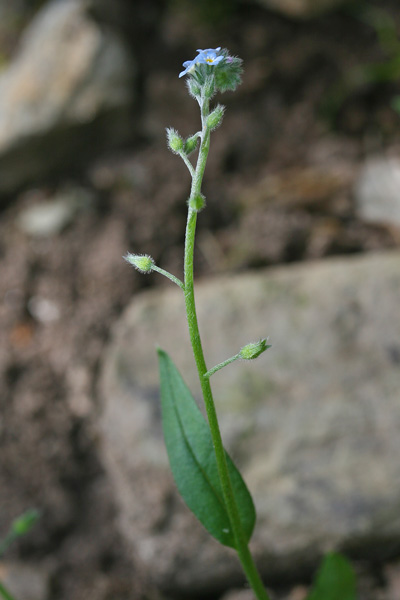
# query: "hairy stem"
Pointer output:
{"type": "Point", "coordinates": [229, 498]}
{"type": "Point", "coordinates": [220, 366]}
{"type": "Point", "coordinates": [187, 163]}
{"type": "Point", "coordinates": [168, 275]}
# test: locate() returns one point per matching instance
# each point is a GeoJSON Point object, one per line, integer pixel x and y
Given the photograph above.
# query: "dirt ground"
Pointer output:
{"type": "Point", "coordinates": [279, 188]}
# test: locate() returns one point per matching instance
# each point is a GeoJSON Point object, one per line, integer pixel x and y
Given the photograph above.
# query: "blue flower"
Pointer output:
{"type": "Point", "coordinates": [205, 57]}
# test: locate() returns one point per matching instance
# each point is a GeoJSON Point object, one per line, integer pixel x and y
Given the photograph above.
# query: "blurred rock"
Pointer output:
{"type": "Point", "coordinates": [49, 217]}
{"type": "Point", "coordinates": [238, 595]}
{"type": "Point", "coordinates": [43, 310]}
{"type": "Point", "coordinates": [377, 192]}
{"type": "Point", "coordinates": [66, 94]}
{"type": "Point", "coordinates": [25, 582]}
{"type": "Point", "coordinates": [297, 593]}
{"type": "Point", "coordinates": [302, 8]}
{"type": "Point", "coordinates": [299, 187]}
{"type": "Point", "coordinates": [313, 423]}
{"type": "Point", "coordinates": [392, 575]}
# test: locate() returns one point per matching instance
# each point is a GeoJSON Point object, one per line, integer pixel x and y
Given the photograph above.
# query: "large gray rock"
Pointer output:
{"type": "Point", "coordinates": [65, 93]}
{"type": "Point", "coordinates": [302, 8]}
{"type": "Point", "coordinates": [313, 423]}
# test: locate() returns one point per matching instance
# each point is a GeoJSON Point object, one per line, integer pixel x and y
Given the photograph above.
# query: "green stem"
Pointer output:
{"type": "Point", "coordinates": [169, 275]}
{"type": "Point", "coordinates": [220, 366]}
{"type": "Point", "coordinates": [187, 162]}
{"type": "Point", "coordinates": [240, 541]}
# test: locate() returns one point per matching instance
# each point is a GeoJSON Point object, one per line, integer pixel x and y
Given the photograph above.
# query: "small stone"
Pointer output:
{"type": "Point", "coordinates": [43, 310]}
{"type": "Point", "coordinates": [377, 192]}
{"type": "Point", "coordinates": [299, 592]}
{"type": "Point", "coordinates": [46, 219]}
{"type": "Point", "coordinates": [50, 217]}
{"type": "Point", "coordinates": [238, 595]}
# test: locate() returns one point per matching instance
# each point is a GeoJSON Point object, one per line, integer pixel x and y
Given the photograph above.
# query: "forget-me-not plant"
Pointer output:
{"type": "Point", "coordinates": [207, 479]}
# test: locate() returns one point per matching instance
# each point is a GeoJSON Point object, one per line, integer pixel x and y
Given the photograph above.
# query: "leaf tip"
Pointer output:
{"type": "Point", "coordinates": [162, 355]}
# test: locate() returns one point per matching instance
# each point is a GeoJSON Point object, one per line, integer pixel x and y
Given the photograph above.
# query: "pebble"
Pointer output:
{"type": "Point", "coordinates": [377, 192]}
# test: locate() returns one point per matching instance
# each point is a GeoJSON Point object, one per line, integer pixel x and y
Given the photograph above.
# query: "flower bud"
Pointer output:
{"type": "Point", "coordinates": [197, 202]}
{"type": "Point", "coordinates": [191, 144]}
{"type": "Point", "coordinates": [214, 119]}
{"type": "Point", "coordinates": [209, 87]}
{"type": "Point", "coordinates": [254, 349]}
{"type": "Point", "coordinates": [193, 87]}
{"type": "Point", "coordinates": [175, 142]}
{"type": "Point", "coordinates": [142, 262]}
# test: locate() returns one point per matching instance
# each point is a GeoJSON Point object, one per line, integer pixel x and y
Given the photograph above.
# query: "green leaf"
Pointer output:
{"type": "Point", "coordinates": [335, 580]}
{"type": "Point", "coordinates": [25, 522]}
{"type": "Point", "coordinates": [20, 526]}
{"type": "Point", "coordinates": [396, 103]}
{"type": "Point", "coordinates": [4, 593]}
{"type": "Point", "coordinates": [192, 459]}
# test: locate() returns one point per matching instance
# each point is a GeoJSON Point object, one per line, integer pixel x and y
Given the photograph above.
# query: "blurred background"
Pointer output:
{"type": "Point", "coordinates": [306, 166]}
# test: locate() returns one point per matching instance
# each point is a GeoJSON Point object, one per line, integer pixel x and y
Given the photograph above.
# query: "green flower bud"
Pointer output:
{"type": "Point", "coordinates": [142, 262]}
{"type": "Point", "coordinates": [209, 87]}
{"type": "Point", "coordinates": [193, 87]}
{"type": "Point", "coordinates": [175, 142]}
{"type": "Point", "coordinates": [25, 522]}
{"type": "Point", "coordinates": [254, 349]}
{"type": "Point", "coordinates": [197, 202]}
{"type": "Point", "coordinates": [214, 119]}
{"type": "Point", "coordinates": [191, 144]}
